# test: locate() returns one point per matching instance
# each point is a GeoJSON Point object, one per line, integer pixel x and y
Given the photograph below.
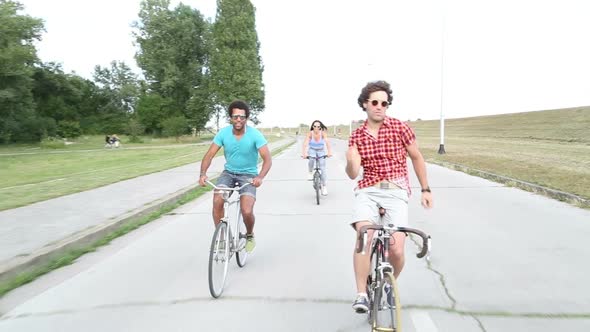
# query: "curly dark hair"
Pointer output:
{"type": "Point", "coordinates": [374, 87]}
{"type": "Point", "coordinates": [238, 104]}
{"type": "Point", "coordinates": [322, 126]}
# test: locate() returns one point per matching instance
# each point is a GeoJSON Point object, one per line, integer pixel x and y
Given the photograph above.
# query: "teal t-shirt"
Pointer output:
{"type": "Point", "coordinates": [240, 156]}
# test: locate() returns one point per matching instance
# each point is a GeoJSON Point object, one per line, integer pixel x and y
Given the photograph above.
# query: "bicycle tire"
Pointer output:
{"type": "Point", "coordinates": [317, 185]}
{"type": "Point", "coordinates": [386, 313]}
{"type": "Point", "coordinates": [218, 260]}
{"type": "Point", "coordinates": [371, 282]}
{"type": "Point", "coordinates": [241, 254]}
{"type": "Point", "coordinates": [397, 311]}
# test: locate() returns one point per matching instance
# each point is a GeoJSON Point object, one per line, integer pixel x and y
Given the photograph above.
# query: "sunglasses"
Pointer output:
{"type": "Point", "coordinates": [238, 116]}
{"type": "Point", "coordinates": [375, 102]}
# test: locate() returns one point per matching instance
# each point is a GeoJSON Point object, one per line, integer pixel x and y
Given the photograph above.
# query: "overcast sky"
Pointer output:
{"type": "Point", "coordinates": [500, 56]}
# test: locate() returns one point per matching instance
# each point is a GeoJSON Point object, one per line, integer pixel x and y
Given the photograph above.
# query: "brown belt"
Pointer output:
{"type": "Point", "coordinates": [386, 185]}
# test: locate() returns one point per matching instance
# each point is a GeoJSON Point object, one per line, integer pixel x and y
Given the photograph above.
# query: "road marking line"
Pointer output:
{"type": "Point", "coordinates": [422, 322]}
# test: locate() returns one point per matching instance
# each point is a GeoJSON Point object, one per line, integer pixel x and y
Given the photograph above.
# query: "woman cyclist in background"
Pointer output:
{"type": "Point", "coordinates": [315, 145]}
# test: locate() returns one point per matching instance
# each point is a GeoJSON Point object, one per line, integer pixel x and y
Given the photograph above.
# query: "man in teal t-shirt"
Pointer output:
{"type": "Point", "coordinates": [241, 147]}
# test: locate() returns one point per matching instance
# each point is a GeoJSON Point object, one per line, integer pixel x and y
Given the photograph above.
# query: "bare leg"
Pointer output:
{"type": "Point", "coordinates": [247, 209]}
{"type": "Point", "coordinates": [217, 208]}
{"type": "Point", "coordinates": [396, 253]}
{"type": "Point", "coordinates": [362, 263]}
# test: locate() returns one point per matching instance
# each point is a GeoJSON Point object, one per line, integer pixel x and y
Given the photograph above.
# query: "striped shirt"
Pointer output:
{"type": "Point", "coordinates": [384, 158]}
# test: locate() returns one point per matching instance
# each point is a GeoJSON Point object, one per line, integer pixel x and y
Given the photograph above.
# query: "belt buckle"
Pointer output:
{"type": "Point", "coordinates": [388, 185]}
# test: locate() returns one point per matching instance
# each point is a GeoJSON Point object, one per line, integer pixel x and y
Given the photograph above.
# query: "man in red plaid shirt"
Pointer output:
{"type": "Point", "coordinates": [380, 146]}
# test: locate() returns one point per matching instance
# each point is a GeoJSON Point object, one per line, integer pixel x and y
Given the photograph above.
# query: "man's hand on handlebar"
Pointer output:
{"type": "Point", "coordinates": [257, 181]}
{"type": "Point", "coordinates": [202, 180]}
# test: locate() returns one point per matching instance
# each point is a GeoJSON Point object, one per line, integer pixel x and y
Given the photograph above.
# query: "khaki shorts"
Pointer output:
{"type": "Point", "coordinates": [367, 202]}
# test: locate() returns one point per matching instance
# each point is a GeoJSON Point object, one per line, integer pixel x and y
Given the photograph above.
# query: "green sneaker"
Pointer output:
{"type": "Point", "coordinates": [250, 243]}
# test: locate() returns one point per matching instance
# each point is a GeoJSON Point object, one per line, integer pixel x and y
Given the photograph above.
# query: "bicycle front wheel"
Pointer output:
{"type": "Point", "coordinates": [218, 260]}
{"type": "Point", "coordinates": [386, 307]}
{"type": "Point", "coordinates": [241, 254]}
{"type": "Point", "coordinates": [317, 185]}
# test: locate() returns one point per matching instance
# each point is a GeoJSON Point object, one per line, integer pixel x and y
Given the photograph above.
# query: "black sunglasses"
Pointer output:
{"type": "Point", "coordinates": [238, 116]}
{"type": "Point", "coordinates": [375, 102]}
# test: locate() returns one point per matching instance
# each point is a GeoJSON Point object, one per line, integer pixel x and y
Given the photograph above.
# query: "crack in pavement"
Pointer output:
{"type": "Point", "coordinates": [280, 300]}
{"type": "Point", "coordinates": [445, 287]}
{"type": "Point", "coordinates": [476, 314]}
{"type": "Point", "coordinates": [563, 315]}
{"type": "Point", "coordinates": [440, 275]}
{"type": "Point", "coordinates": [174, 302]}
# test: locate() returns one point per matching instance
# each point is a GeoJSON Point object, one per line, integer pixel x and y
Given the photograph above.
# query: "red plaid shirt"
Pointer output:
{"type": "Point", "coordinates": [384, 158]}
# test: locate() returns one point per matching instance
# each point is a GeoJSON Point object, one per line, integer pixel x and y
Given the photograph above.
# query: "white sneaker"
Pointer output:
{"type": "Point", "coordinates": [310, 176]}
{"type": "Point", "coordinates": [324, 191]}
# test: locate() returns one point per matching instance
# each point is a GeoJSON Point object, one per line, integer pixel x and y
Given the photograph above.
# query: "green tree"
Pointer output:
{"type": "Point", "coordinates": [135, 129]}
{"type": "Point", "coordinates": [17, 58]}
{"type": "Point", "coordinates": [69, 97]}
{"type": "Point", "coordinates": [117, 94]}
{"type": "Point", "coordinates": [54, 94]}
{"type": "Point", "coordinates": [69, 129]}
{"type": "Point", "coordinates": [175, 126]}
{"type": "Point", "coordinates": [151, 109]}
{"type": "Point", "coordinates": [235, 63]}
{"type": "Point", "coordinates": [172, 55]}
{"type": "Point", "coordinates": [120, 84]}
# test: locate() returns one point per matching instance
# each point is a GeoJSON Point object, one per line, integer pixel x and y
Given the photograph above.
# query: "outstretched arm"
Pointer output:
{"type": "Point", "coordinates": [206, 162]}
{"type": "Point", "coordinates": [420, 169]}
{"type": "Point", "coordinates": [305, 145]}
{"type": "Point", "coordinates": [266, 163]}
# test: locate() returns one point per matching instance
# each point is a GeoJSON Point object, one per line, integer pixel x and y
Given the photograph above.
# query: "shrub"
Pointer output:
{"type": "Point", "coordinates": [52, 143]}
{"type": "Point", "coordinates": [135, 129]}
{"type": "Point", "coordinates": [69, 129]}
{"type": "Point", "coordinates": [175, 126]}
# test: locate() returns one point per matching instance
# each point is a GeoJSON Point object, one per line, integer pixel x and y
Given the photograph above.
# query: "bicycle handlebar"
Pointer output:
{"type": "Point", "coordinates": [225, 188]}
{"type": "Point", "coordinates": [363, 237]}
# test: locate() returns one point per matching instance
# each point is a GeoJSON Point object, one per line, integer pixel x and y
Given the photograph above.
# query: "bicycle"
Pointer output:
{"type": "Point", "coordinates": [221, 250]}
{"type": "Point", "coordinates": [385, 311]}
{"type": "Point", "coordinates": [317, 181]}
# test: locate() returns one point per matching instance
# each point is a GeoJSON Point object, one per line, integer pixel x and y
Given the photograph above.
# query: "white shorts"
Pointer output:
{"type": "Point", "coordinates": [368, 200]}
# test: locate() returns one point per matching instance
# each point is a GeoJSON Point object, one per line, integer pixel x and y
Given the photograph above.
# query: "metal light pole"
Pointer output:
{"type": "Point", "coordinates": [441, 148]}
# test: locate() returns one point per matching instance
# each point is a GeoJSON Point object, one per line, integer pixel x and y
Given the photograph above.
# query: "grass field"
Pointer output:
{"type": "Point", "coordinates": [549, 148]}
{"type": "Point", "coordinates": [30, 173]}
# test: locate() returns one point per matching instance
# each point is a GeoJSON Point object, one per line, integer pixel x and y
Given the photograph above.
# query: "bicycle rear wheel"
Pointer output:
{"type": "Point", "coordinates": [218, 260]}
{"type": "Point", "coordinates": [316, 186]}
{"type": "Point", "coordinates": [241, 254]}
{"type": "Point", "coordinates": [386, 307]}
